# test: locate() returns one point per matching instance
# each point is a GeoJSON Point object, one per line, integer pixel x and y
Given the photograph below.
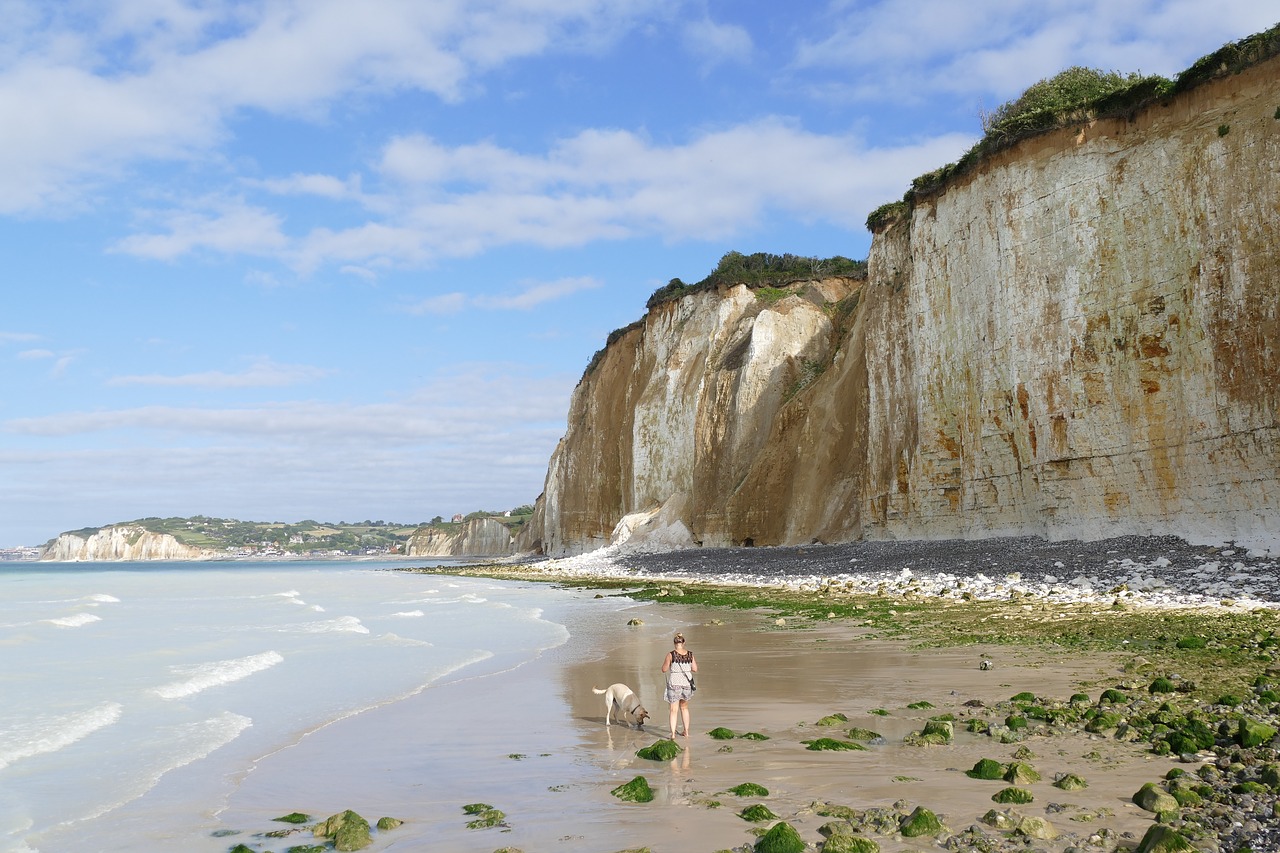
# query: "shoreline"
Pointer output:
{"type": "Point", "coordinates": [779, 679]}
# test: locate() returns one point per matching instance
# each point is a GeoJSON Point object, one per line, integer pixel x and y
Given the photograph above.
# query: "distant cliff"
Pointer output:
{"type": "Point", "coordinates": [122, 542]}
{"type": "Point", "coordinates": [480, 537]}
{"type": "Point", "coordinates": [1077, 337]}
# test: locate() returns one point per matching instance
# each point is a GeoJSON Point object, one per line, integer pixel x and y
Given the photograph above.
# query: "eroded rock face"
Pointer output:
{"type": "Point", "coordinates": [480, 537]}
{"type": "Point", "coordinates": [1079, 340]}
{"type": "Point", "coordinates": [121, 542]}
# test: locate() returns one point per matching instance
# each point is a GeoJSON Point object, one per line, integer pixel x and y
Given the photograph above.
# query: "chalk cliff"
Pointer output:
{"type": "Point", "coordinates": [1078, 338]}
{"type": "Point", "coordinates": [480, 537]}
{"type": "Point", "coordinates": [121, 542]}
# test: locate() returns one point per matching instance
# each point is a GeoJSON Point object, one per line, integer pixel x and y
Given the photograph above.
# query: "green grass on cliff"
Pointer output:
{"type": "Point", "coordinates": [1078, 95]}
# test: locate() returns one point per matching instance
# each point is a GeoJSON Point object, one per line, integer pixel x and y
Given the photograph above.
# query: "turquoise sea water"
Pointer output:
{"type": "Point", "coordinates": [116, 677]}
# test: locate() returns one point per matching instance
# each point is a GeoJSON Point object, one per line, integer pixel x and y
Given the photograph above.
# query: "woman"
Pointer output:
{"type": "Point", "coordinates": [679, 665]}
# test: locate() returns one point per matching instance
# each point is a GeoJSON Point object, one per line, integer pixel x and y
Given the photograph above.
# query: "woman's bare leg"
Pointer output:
{"type": "Point", "coordinates": [684, 715]}
{"type": "Point", "coordinates": [675, 709]}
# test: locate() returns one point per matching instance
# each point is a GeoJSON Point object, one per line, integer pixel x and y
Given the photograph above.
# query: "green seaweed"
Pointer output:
{"type": "Point", "coordinates": [827, 743]}
{"type": "Point", "coordinates": [749, 789]}
{"type": "Point", "coordinates": [635, 791]}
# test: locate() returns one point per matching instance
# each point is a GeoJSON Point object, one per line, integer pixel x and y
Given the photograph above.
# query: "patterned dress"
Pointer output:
{"type": "Point", "coordinates": [680, 677]}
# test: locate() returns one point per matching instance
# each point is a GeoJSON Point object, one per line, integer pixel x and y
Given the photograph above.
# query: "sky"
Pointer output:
{"type": "Point", "coordinates": [342, 261]}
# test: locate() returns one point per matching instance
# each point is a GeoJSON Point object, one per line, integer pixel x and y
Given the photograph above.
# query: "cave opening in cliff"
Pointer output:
{"type": "Point", "coordinates": [748, 542]}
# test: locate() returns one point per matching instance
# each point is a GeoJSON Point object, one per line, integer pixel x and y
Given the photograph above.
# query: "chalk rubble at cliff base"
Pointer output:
{"type": "Point", "coordinates": [1142, 571]}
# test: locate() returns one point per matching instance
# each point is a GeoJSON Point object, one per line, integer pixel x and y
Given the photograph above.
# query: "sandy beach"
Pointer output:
{"type": "Point", "coordinates": [532, 742]}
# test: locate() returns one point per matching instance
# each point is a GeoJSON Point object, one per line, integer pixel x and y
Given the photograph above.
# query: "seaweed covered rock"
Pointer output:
{"type": "Point", "coordinates": [849, 844]}
{"type": "Point", "coordinates": [757, 813]}
{"type": "Point", "coordinates": [1070, 782]}
{"type": "Point", "coordinates": [836, 719]}
{"type": "Point", "coordinates": [635, 791]}
{"type": "Point", "coordinates": [986, 768]}
{"type": "Point", "coordinates": [826, 743]}
{"type": "Point", "coordinates": [1163, 839]}
{"type": "Point", "coordinates": [1031, 826]}
{"type": "Point", "coordinates": [749, 789]}
{"type": "Point", "coordinates": [293, 817]}
{"type": "Point", "coordinates": [721, 733]}
{"type": "Point", "coordinates": [1251, 733]}
{"type": "Point", "coordinates": [1153, 799]}
{"type": "Point", "coordinates": [1017, 796]}
{"type": "Point", "coordinates": [386, 823]}
{"type": "Point", "coordinates": [934, 733]}
{"type": "Point", "coordinates": [1021, 773]}
{"type": "Point", "coordinates": [663, 750]}
{"type": "Point", "coordinates": [857, 733]}
{"type": "Point", "coordinates": [347, 830]}
{"type": "Point", "coordinates": [921, 821]}
{"type": "Point", "coordinates": [781, 838]}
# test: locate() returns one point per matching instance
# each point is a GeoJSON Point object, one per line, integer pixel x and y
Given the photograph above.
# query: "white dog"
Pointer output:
{"type": "Point", "coordinates": [627, 703]}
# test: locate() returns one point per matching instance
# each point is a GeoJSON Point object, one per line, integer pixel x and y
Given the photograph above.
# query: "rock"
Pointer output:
{"type": "Point", "coordinates": [635, 622]}
{"type": "Point", "coordinates": [749, 789]}
{"type": "Point", "coordinates": [294, 817]}
{"type": "Point", "coordinates": [781, 838]}
{"type": "Point", "coordinates": [826, 743]}
{"type": "Point", "coordinates": [662, 750]}
{"type": "Point", "coordinates": [1151, 798]}
{"type": "Point", "coordinates": [1019, 773]}
{"type": "Point", "coordinates": [385, 823]}
{"type": "Point", "coordinates": [849, 844]}
{"type": "Point", "coordinates": [721, 733]}
{"type": "Point", "coordinates": [832, 720]}
{"type": "Point", "coordinates": [920, 822]}
{"type": "Point", "coordinates": [757, 813]}
{"type": "Point", "coordinates": [347, 830]}
{"type": "Point", "coordinates": [1000, 820]}
{"type": "Point", "coordinates": [1251, 733]}
{"type": "Point", "coordinates": [635, 791]}
{"type": "Point", "coordinates": [1036, 827]}
{"type": "Point", "coordinates": [986, 768]}
{"type": "Point", "coordinates": [1070, 782]}
{"type": "Point", "coordinates": [1016, 796]}
{"type": "Point", "coordinates": [985, 665]}
{"type": "Point", "coordinates": [1163, 839]}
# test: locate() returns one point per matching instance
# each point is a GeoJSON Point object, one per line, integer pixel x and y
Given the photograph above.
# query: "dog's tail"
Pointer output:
{"type": "Point", "coordinates": [598, 691]}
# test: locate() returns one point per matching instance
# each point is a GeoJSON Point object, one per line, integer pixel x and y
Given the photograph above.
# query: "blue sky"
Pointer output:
{"type": "Point", "coordinates": [321, 259]}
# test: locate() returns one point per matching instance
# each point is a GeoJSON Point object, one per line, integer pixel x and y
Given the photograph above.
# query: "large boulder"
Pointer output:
{"type": "Point", "coordinates": [347, 830]}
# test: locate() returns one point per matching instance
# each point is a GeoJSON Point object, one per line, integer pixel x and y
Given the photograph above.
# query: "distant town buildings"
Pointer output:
{"type": "Point", "coordinates": [21, 552]}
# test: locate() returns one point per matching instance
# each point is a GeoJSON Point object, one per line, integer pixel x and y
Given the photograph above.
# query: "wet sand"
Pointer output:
{"type": "Point", "coordinates": [533, 743]}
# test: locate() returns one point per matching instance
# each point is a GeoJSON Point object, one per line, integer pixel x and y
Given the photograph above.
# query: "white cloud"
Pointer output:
{"type": "Point", "coordinates": [231, 227]}
{"type": "Point", "coordinates": [715, 43]}
{"type": "Point", "coordinates": [439, 201]}
{"type": "Point", "coordinates": [83, 96]}
{"type": "Point", "coordinates": [262, 374]}
{"type": "Point", "coordinates": [324, 186]}
{"type": "Point", "coordinates": [33, 354]}
{"type": "Point", "coordinates": [536, 294]}
{"type": "Point", "coordinates": [999, 47]}
{"type": "Point", "coordinates": [533, 294]}
{"type": "Point", "coordinates": [17, 337]}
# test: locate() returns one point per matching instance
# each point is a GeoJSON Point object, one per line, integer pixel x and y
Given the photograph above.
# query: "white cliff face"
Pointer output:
{"type": "Point", "coordinates": [676, 412]}
{"type": "Point", "coordinates": [480, 537]}
{"type": "Point", "coordinates": [121, 542]}
{"type": "Point", "coordinates": [1092, 337]}
{"type": "Point", "coordinates": [1076, 340]}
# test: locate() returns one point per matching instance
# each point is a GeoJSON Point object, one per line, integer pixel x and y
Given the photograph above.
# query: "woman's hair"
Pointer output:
{"type": "Point", "coordinates": [679, 638]}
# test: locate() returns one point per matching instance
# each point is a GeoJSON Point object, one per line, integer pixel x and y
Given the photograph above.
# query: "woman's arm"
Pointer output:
{"type": "Point", "coordinates": [693, 662]}
{"type": "Point", "coordinates": [666, 663]}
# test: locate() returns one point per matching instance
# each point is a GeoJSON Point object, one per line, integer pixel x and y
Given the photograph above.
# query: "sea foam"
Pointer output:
{"type": "Point", "coordinates": [205, 675]}
{"type": "Point", "coordinates": [75, 620]}
{"type": "Point", "coordinates": [51, 734]}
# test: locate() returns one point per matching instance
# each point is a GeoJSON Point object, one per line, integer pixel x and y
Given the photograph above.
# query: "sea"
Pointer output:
{"type": "Point", "coordinates": [114, 677]}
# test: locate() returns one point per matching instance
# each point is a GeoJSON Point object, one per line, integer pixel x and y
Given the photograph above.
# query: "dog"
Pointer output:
{"type": "Point", "coordinates": [625, 701]}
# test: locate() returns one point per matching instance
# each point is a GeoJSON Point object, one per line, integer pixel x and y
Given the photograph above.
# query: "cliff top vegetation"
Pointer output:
{"type": "Point", "coordinates": [760, 270]}
{"type": "Point", "coordinates": [1075, 96]}
{"type": "Point", "coordinates": [763, 272]}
